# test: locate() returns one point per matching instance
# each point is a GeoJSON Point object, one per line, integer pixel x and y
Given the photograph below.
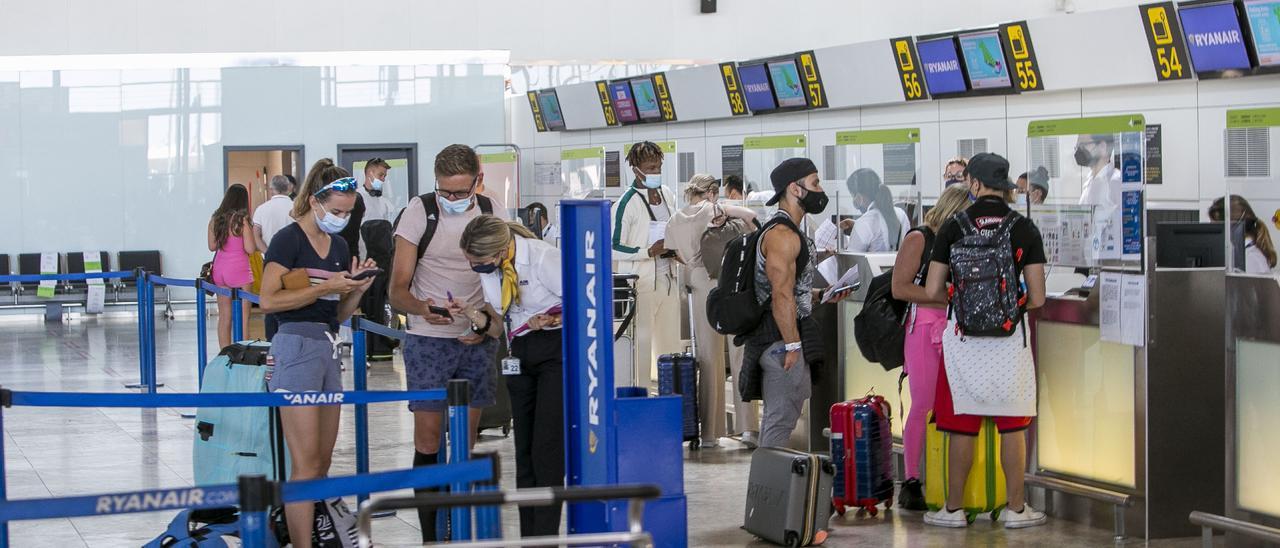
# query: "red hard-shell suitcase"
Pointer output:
{"type": "Point", "coordinates": [861, 450]}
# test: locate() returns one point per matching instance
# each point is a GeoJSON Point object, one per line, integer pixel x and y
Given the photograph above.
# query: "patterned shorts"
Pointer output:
{"type": "Point", "coordinates": [431, 362]}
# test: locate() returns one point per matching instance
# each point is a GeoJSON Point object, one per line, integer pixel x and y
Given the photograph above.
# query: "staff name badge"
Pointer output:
{"type": "Point", "coordinates": [510, 365]}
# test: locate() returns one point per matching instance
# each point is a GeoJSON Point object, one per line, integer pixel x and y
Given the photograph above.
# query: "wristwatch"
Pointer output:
{"type": "Point", "coordinates": [791, 347]}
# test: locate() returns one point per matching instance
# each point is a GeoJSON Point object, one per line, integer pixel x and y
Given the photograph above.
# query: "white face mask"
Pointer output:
{"type": "Point", "coordinates": [377, 184]}
{"type": "Point", "coordinates": [330, 223]}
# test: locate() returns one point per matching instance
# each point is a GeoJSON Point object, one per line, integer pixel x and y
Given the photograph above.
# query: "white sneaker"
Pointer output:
{"type": "Point", "coordinates": [943, 518]}
{"type": "Point", "coordinates": [750, 439]}
{"type": "Point", "coordinates": [1028, 517]}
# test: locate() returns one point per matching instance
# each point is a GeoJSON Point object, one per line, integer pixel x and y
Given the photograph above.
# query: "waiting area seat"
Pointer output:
{"type": "Point", "coordinates": [75, 265]}
{"type": "Point", "coordinates": [73, 293]}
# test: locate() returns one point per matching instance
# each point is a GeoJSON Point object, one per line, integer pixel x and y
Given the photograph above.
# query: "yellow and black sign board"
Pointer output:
{"type": "Point", "coordinates": [1026, 69]}
{"type": "Point", "coordinates": [667, 107]}
{"type": "Point", "coordinates": [537, 111]}
{"type": "Point", "coordinates": [815, 95]}
{"type": "Point", "coordinates": [1164, 37]}
{"type": "Point", "coordinates": [732, 88]}
{"type": "Point", "coordinates": [910, 74]}
{"type": "Point", "coordinates": [602, 89]}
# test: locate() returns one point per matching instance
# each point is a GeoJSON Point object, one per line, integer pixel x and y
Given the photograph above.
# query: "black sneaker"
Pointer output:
{"type": "Point", "coordinates": [911, 497]}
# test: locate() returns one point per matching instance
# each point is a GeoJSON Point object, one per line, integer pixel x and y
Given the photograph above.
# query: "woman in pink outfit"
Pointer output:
{"type": "Point", "coordinates": [925, 322]}
{"type": "Point", "coordinates": [231, 240]}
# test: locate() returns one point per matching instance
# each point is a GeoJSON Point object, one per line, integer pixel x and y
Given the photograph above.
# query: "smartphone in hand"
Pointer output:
{"type": "Point", "coordinates": [440, 311]}
{"type": "Point", "coordinates": [367, 274]}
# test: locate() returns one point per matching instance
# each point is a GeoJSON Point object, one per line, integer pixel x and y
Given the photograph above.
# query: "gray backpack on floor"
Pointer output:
{"type": "Point", "coordinates": [985, 299]}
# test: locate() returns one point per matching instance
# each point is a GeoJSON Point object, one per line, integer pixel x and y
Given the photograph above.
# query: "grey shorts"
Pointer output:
{"type": "Point", "coordinates": [304, 360]}
{"type": "Point", "coordinates": [431, 362]}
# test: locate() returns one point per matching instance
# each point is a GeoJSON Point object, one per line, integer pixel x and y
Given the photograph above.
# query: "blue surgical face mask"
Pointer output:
{"type": "Point", "coordinates": [330, 223]}
{"type": "Point", "coordinates": [377, 184]}
{"type": "Point", "coordinates": [652, 180]}
{"type": "Point", "coordinates": [456, 207]}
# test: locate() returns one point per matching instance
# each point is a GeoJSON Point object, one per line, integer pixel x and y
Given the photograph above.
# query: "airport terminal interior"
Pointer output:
{"type": "Point", "coordinates": [686, 273]}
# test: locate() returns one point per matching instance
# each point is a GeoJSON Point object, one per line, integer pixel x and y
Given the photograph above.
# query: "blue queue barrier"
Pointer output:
{"type": "Point", "coordinates": [253, 521]}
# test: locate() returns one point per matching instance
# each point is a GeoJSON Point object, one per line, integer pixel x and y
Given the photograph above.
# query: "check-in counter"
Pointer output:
{"type": "Point", "coordinates": [1133, 420]}
{"type": "Point", "coordinates": [858, 377]}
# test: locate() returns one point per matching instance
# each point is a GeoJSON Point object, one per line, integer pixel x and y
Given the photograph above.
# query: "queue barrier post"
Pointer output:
{"type": "Point", "coordinates": [255, 499]}
{"type": "Point", "coordinates": [202, 333]}
{"type": "Point", "coordinates": [458, 398]}
{"type": "Point", "coordinates": [361, 373]}
{"type": "Point", "coordinates": [489, 518]}
{"type": "Point", "coordinates": [152, 372]}
{"type": "Point", "coordinates": [5, 401]}
{"type": "Point", "coordinates": [237, 316]}
{"type": "Point", "coordinates": [140, 276]}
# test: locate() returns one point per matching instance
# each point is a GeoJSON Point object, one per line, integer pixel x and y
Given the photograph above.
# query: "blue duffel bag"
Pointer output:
{"type": "Point", "coordinates": [235, 441]}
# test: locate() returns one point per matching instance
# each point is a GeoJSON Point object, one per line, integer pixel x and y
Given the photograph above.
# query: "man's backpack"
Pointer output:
{"type": "Point", "coordinates": [732, 308]}
{"type": "Point", "coordinates": [714, 241]}
{"type": "Point", "coordinates": [985, 300]}
{"type": "Point", "coordinates": [879, 328]}
{"type": "Point", "coordinates": [432, 208]}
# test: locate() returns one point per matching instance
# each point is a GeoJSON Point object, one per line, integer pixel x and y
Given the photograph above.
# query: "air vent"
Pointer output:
{"type": "Point", "coordinates": [968, 147]}
{"type": "Point", "coordinates": [685, 165]}
{"type": "Point", "coordinates": [1248, 152]}
{"type": "Point", "coordinates": [1044, 152]}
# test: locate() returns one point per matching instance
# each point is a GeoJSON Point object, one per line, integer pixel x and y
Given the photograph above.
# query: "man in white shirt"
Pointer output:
{"type": "Point", "coordinates": [1102, 189]}
{"type": "Point", "coordinates": [273, 214]}
{"type": "Point", "coordinates": [376, 206]}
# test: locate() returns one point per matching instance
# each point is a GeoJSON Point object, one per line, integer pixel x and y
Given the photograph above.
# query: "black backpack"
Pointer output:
{"type": "Point", "coordinates": [985, 300]}
{"type": "Point", "coordinates": [432, 208]}
{"type": "Point", "coordinates": [732, 308]}
{"type": "Point", "coordinates": [879, 326]}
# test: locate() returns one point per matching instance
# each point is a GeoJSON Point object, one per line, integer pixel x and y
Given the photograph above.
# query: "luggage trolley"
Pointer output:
{"type": "Point", "coordinates": [635, 495]}
{"type": "Point", "coordinates": [624, 315]}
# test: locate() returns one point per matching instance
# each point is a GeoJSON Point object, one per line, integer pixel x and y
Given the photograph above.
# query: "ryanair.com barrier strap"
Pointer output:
{"type": "Point", "coordinates": [266, 399]}
{"type": "Point", "coordinates": [228, 495]}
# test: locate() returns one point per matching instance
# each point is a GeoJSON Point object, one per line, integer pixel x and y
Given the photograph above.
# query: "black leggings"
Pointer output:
{"type": "Point", "coordinates": [537, 407]}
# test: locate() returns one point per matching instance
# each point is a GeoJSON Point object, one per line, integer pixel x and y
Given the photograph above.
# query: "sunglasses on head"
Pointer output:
{"type": "Point", "coordinates": [345, 184]}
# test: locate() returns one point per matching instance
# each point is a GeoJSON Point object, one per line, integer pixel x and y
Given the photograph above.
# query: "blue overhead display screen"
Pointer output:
{"type": "Point", "coordinates": [942, 72]}
{"type": "Point", "coordinates": [1264, 22]}
{"type": "Point", "coordinates": [646, 99]}
{"type": "Point", "coordinates": [1213, 35]}
{"type": "Point", "coordinates": [551, 113]}
{"type": "Point", "coordinates": [755, 83]}
{"type": "Point", "coordinates": [786, 84]}
{"type": "Point", "coordinates": [984, 60]}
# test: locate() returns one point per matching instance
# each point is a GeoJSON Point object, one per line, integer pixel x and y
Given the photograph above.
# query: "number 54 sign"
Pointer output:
{"type": "Point", "coordinates": [1168, 49]}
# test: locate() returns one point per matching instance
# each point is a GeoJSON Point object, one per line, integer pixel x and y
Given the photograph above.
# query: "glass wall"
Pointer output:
{"type": "Point", "coordinates": [129, 159]}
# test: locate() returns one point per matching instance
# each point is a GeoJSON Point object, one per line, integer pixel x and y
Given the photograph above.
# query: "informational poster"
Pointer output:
{"type": "Point", "coordinates": [95, 298]}
{"type": "Point", "coordinates": [612, 169]}
{"type": "Point", "coordinates": [1155, 150]}
{"type": "Point", "coordinates": [546, 173]}
{"type": "Point", "coordinates": [1131, 157]}
{"type": "Point", "coordinates": [48, 267]}
{"type": "Point", "coordinates": [1122, 314]}
{"type": "Point", "coordinates": [899, 163]}
{"type": "Point", "coordinates": [1067, 234]}
{"type": "Point", "coordinates": [1133, 310]}
{"type": "Point", "coordinates": [1131, 221]}
{"type": "Point", "coordinates": [731, 160]}
{"type": "Point", "coordinates": [1109, 301]}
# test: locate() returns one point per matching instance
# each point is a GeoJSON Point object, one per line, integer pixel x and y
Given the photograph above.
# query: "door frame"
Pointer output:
{"type": "Point", "coordinates": [299, 149]}
{"type": "Point", "coordinates": [413, 159]}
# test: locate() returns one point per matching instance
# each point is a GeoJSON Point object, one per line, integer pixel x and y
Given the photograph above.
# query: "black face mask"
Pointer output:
{"type": "Point", "coordinates": [814, 202]}
{"type": "Point", "coordinates": [1083, 157]}
{"type": "Point", "coordinates": [486, 268]}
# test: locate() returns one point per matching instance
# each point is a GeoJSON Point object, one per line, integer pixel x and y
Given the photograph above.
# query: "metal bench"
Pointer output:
{"type": "Point", "coordinates": [1209, 522]}
{"type": "Point", "coordinates": [1119, 501]}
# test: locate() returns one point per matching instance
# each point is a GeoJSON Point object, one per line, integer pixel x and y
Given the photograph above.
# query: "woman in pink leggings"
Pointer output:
{"type": "Point", "coordinates": [231, 241]}
{"type": "Point", "coordinates": [925, 322]}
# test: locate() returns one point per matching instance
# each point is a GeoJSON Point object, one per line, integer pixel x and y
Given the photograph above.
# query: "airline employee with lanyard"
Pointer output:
{"type": "Point", "coordinates": [639, 247]}
{"type": "Point", "coordinates": [520, 275]}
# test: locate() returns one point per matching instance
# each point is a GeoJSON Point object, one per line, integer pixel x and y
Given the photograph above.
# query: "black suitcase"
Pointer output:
{"type": "Point", "coordinates": [678, 374]}
{"type": "Point", "coordinates": [789, 496]}
{"type": "Point", "coordinates": [498, 415]}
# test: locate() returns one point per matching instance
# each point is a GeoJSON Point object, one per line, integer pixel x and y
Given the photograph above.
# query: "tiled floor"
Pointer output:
{"type": "Point", "coordinates": [63, 452]}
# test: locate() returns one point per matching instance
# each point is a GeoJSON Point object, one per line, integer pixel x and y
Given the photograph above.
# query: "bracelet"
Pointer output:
{"type": "Point", "coordinates": [792, 347]}
{"type": "Point", "coordinates": [488, 322]}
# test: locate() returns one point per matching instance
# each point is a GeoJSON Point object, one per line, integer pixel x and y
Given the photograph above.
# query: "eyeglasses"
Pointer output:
{"type": "Point", "coordinates": [460, 194]}
{"type": "Point", "coordinates": [345, 184]}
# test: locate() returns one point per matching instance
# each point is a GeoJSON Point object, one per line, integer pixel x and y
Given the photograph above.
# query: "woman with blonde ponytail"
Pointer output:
{"type": "Point", "coordinates": [520, 275]}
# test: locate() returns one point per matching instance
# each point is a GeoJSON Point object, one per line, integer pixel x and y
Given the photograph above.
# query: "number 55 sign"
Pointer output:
{"type": "Point", "coordinates": [1168, 50]}
{"type": "Point", "coordinates": [1017, 40]}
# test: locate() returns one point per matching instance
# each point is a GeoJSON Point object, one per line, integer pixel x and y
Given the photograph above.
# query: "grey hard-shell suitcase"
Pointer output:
{"type": "Point", "coordinates": [789, 496]}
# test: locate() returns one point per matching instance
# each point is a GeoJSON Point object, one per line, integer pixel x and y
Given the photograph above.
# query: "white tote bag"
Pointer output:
{"type": "Point", "coordinates": [990, 376]}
